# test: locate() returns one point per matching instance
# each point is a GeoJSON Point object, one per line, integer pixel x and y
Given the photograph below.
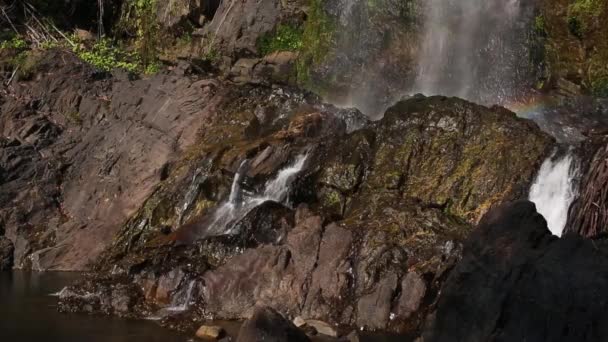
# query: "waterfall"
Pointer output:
{"type": "Point", "coordinates": [473, 49]}
{"type": "Point", "coordinates": [181, 301]}
{"type": "Point", "coordinates": [235, 191]}
{"type": "Point", "coordinates": [554, 190]}
{"type": "Point", "coordinates": [240, 204]}
{"type": "Point", "coordinates": [278, 188]}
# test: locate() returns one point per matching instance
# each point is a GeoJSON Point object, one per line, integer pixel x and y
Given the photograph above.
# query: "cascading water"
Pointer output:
{"type": "Point", "coordinates": [181, 301]}
{"type": "Point", "coordinates": [473, 49]}
{"type": "Point", "coordinates": [239, 203]}
{"type": "Point", "coordinates": [477, 50]}
{"type": "Point", "coordinates": [554, 190]}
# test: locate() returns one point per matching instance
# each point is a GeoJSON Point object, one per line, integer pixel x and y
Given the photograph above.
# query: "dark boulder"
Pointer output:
{"type": "Point", "coordinates": [518, 282]}
{"type": "Point", "coordinates": [268, 325]}
{"type": "Point", "coordinates": [267, 223]}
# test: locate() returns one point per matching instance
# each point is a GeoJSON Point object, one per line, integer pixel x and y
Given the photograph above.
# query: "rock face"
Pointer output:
{"type": "Point", "coordinates": [518, 282]}
{"type": "Point", "coordinates": [588, 216]}
{"type": "Point", "coordinates": [575, 46]}
{"type": "Point", "coordinates": [363, 232]}
{"type": "Point", "coordinates": [101, 150]}
{"type": "Point", "coordinates": [374, 234]}
{"type": "Point", "coordinates": [238, 25]}
{"type": "Point", "coordinates": [6, 254]}
{"type": "Point", "coordinates": [268, 325]}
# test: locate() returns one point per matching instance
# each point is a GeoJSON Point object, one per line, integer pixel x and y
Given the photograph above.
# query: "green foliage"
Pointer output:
{"type": "Point", "coordinates": [581, 13]}
{"type": "Point", "coordinates": [26, 63]}
{"type": "Point", "coordinates": [586, 7]}
{"type": "Point", "coordinates": [317, 39]}
{"type": "Point", "coordinates": [104, 56]}
{"type": "Point", "coordinates": [138, 20]}
{"type": "Point", "coordinates": [17, 42]}
{"type": "Point", "coordinates": [599, 87]}
{"type": "Point", "coordinates": [211, 55]}
{"type": "Point", "coordinates": [286, 38]}
{"type": "Point", "coordinates": [74, 117]}
{"type": "Point", "coordinates": [540, 27]}
{"type": "Point", "coordinates": [575, 27]}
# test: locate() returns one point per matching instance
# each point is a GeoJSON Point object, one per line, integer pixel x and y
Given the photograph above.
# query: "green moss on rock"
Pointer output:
{"type": "Point", "coordinates": [285, 38]}
{"type": "Point", "coordinates": [317, 40]}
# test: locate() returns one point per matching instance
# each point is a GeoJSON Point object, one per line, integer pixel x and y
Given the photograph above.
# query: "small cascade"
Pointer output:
{"type": "Point", "coordinates": [239, 204]}
{"type": "Point", "coordinates": [278, 188]}
{"type": "Point", "coordinates": [181, 301]}
{"type": "Point", "coordinates": [235, 191]}
{"type": "Point", "coordinates": [554, 190]}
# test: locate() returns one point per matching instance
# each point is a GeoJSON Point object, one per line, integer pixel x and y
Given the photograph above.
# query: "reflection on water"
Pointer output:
{"type": "Point", "coordinates": [28, 313]}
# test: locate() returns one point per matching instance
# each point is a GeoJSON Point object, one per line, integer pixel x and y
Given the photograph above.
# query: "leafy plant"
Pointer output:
{"type": "Point", "coordinates": [540, 26]}
{"type": "Point", "coordinates": [104, 56]}
{"type": "Point", "coordinates": [17, 42]}
{"type": "Point", "coordinates": [138, 20]}
{"type": "Point", "coordinates": [581, 13]}
{"type": "Point", "coordinates": [285, 38]}
{"type": "Point", "coordinates": [599, 87]}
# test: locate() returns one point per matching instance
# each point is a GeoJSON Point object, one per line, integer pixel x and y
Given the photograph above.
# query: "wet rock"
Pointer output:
{"type": "Point", "coordinates": [299, 321]}
{"type": "Point", "coordinates": [266, 324]}
{"type": "Point", "coordinates": [353, 336]}
{"type": "Point", "coordinates": [237, 27]}
{"type": "Point", "coordinates": [447, 153]}
{"type": "Point", "coordinates": [268, 223]}
{"type": "Point", "coordinates": [331, 278]}
{"type": "Point", "coordinates": [511, 282]}
{"type": "Point", "coordinates": [413, 290]}
{"type": "Point", "coordinates": [278, 67]}
{"type": "Point", "coordinates": [122, 300]}
{"type": "Point", "coordinates": [6, 254]}
{"type": "Point", "coordinates": [373, 310]}
{"type": "Point", "coordinates": [167, 284]}
{"type": "Point", "coordinates": [567, 88]}
{"type": "Point", "coordinates": [242, 71]}
{"type": "Point", "coordinates": [93, 116]}
{"type": "Point", "coordinates": [172, 14]}
{"type": "Point", "coordinates": [322, 327]}
{"type": "Point", "coordinates": [211, 332]}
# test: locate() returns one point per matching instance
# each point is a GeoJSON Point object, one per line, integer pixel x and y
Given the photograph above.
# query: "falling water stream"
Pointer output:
{"type": "Point", "coordinates": [473, 49]}
{"type": "Point", "coordinates": [554, 190]}
{"type": "Point", "coordinates": [476, 50]}
{"type": "Point", "coordinates": [240, 203]}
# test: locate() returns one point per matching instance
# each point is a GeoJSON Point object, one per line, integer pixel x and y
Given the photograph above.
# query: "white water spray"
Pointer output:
{"type": "Point", "coordinates": [554, 190]}
{"type": "Point", "coordinates": [473, 49]}
{"type": "Point", "coordinates": [240, 204]}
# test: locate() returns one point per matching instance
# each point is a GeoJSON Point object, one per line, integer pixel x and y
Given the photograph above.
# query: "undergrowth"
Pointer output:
{"type": "Point", "coordinates": [285, 38]}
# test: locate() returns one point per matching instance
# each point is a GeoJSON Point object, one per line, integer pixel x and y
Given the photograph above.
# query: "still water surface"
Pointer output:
{"type": "Point", "coordinates": [29, 314]}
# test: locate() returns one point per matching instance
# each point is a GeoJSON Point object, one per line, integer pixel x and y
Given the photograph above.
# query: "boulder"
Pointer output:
{"type": "Point", "coordinates": [210, 332]}
{"type": "Point", "coordinates": [518, 282]}
{"type": "Point", "coordinates": [266, 324]}
{"type": "Point", "coordinates": [322, 327]}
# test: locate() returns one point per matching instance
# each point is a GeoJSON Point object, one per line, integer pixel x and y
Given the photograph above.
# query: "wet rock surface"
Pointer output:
{"type": "Point", "coordinates": [267, 324]}
{"type": "Point", "coordinates": [6, 254]}
{"type": "Point", "coordinates": [362, 233]}
{"type": "Point", "coordinates": [516, 281]}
